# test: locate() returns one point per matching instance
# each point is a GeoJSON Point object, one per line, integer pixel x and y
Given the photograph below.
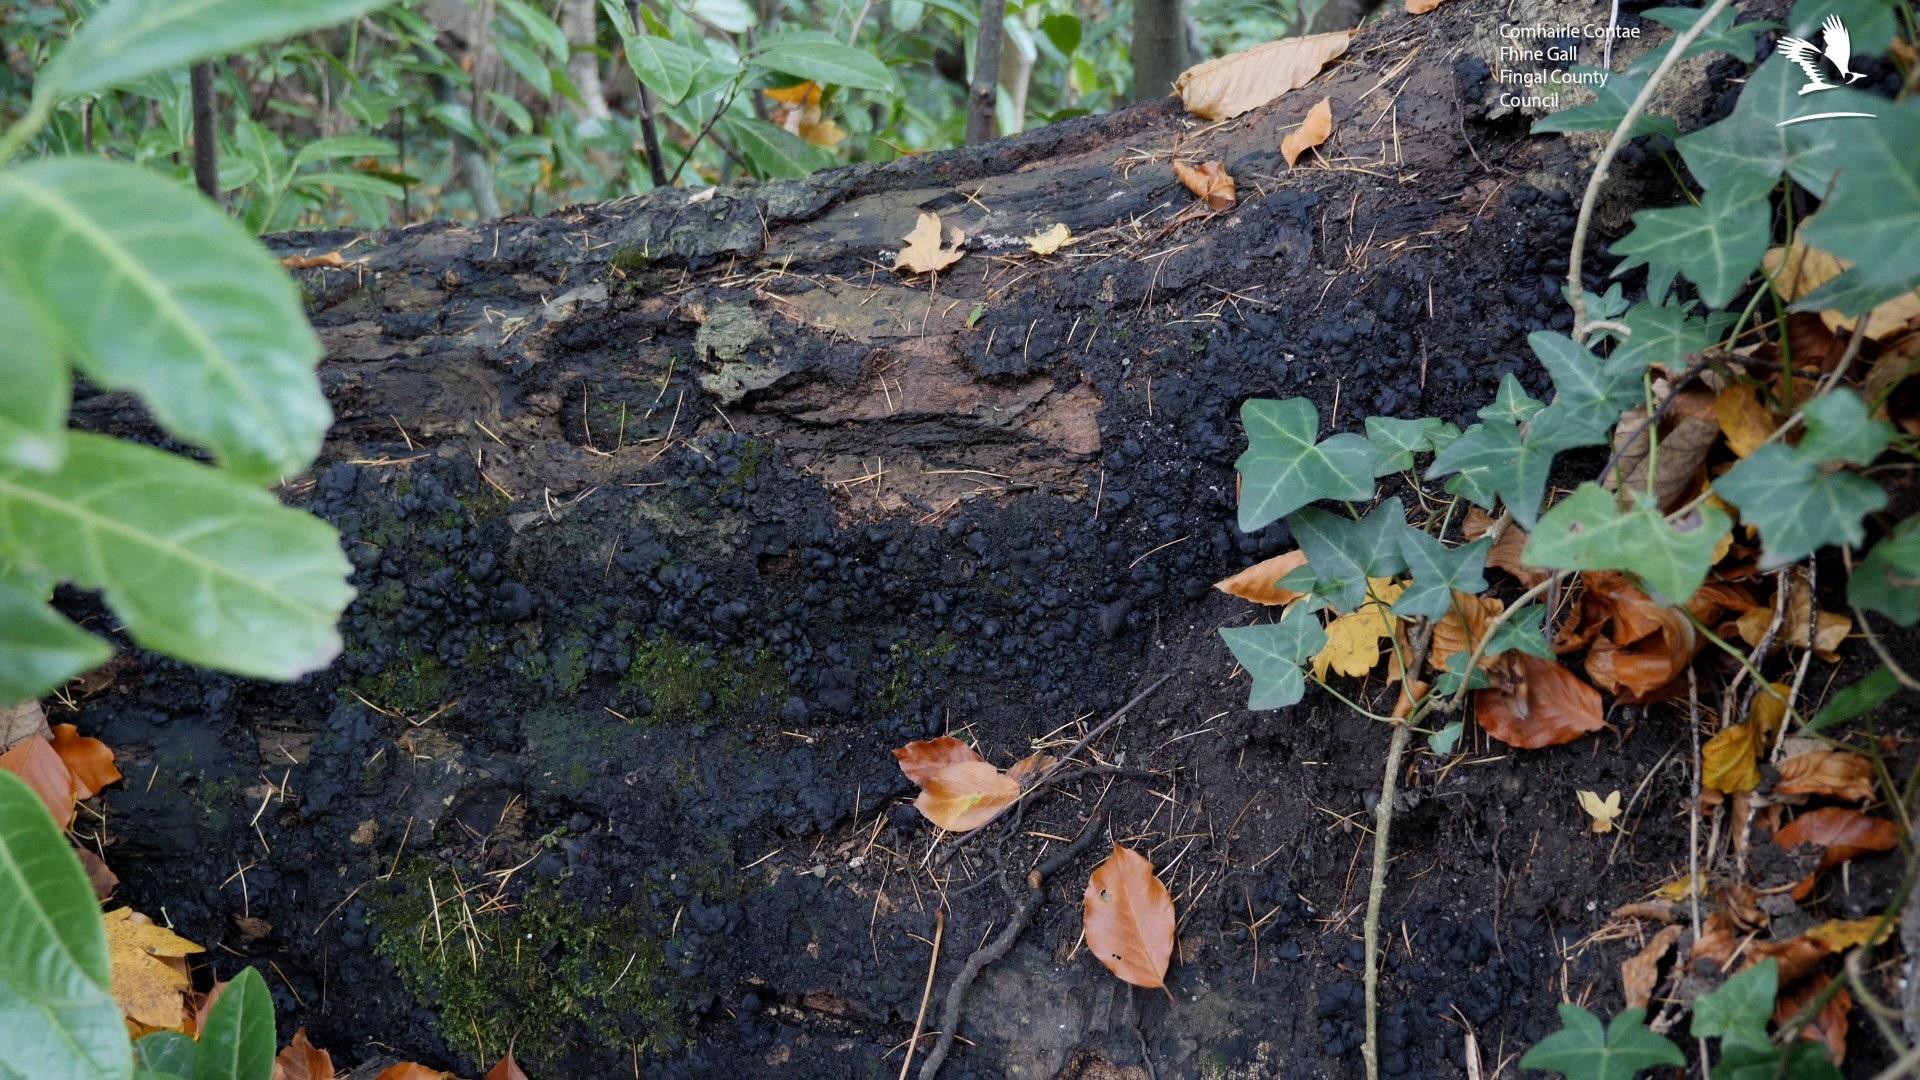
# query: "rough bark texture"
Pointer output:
{"type": "Point", "coordinates": [671, 518]}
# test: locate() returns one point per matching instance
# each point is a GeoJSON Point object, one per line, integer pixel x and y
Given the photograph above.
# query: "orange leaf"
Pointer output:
{"type": "Point", "coordinates": [966, 795]}
{"type": "Point", "coordinates": [1421, 7]}
{"type": "Point", "coordinates": [921, 760]}
{"type": "Point", "coordinates": [807, 93]}
{"type": "Point", "coordinates": [1644, 647]}
{"type": "Point", "coordinates": [1032, 765]}
{"type": "Point", "coordinates": [1209, 181]}
{"type": "Point", "coordinates": [36, 762]}
{"type": "Point", "coordinates": [88, 759]}
{"type": "Point", "coordinates": [1311, 133]}
{"type": "Point", "coordinates": [1841, 834]}
{"type": "Point", "coordinates": [1455, 634]}
{"type": "Point", "coordinates": [1833, 773]}
{"type": "Point", "coordinates": [1260, 582]}
{"type": "Point", "coordinates": [1746, 423]}
{"type": "Point", "coordinates": [1829, 1025]}
{"type": "Point", "coordinates": [411, 1070]}
{"type": "Point", "coordinates": [1128, 917]}
{"type": "Point", "coordinates": [1839, 935]}
{"type": "Point", "coordinates": [505, 1069]}
{"type": "Point", "coordinates": [1550, 706]}
{"type": "Point", "coordinates": [1640, 973]}
{"type": "Point", "coordinates": [1225, 87]}
{"type": "Point", "coordinates": [301, 1061]}
{"type": "Point", "coordinates": [311, 262]}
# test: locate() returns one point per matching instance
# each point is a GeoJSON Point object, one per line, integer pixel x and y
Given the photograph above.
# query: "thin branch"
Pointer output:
{"type": "Point", "coordinates": [984, 92]}
{"type": "Point", "coordinates": [206, 135]}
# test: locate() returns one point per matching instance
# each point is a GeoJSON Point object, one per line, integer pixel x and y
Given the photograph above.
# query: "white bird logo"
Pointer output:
{"type": "Point", "coordinates": [1839, 52]}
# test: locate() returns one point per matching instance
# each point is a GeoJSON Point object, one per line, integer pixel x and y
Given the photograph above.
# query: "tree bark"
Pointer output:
{"type": "Point", "coordinates": [1159, 47]}
{"type": "Point", "coordinates": [206, 131]}
{"type": "Point", "coordinates": [983, 92]}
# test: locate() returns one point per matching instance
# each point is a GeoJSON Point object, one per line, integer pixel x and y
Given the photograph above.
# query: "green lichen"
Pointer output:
{"type": "Point", "coordinates": [541, 975]}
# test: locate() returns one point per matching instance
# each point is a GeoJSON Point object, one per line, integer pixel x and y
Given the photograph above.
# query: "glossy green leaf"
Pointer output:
{"type": "Point", "coordinates": [665, 67]}
{"type": "Point", "coordinates": [56, 1008]}
{"type": "Point", "coordinates": [1584, 1050]}
{"type": "Point", "coordinates": [1587, 530]}
{"type": "Point", "coordinates": [1344, 553]}
{"type": "Point", "coordinates": [344, 146]}
{"type": "Point", "coordinates": [33, 408]}
{"type": "Point", "coordinates": [1857, 700]}
{"type": "Point", "coordinates": [1751, 149]}
{"type": "Point", "coordinates": [823, 59]}
{"type": "Point", "coordinates": [1888, 579]}
{"type": "Point", "coordinates": [1743, 1001]}
{"type": "Point", "coordinates": [195, 564]}
{"type": "Point", "coordinates": [1395, 441]}
{"type": "Point", "coordinates": [39, 648]}
{"type": "Point", "coordinates": [166, 1053]}
{"type": "Point", "coordinates": [1872, 213]}
{"type": "Point", "coordinates": [152, 289]}
{"type": "Point", "coordinates": [1437, 570]}
{"type": "Point", "coordinates": [1272, 654]}
{"type": "Point", "coordinates": [1715, 244]}
{"type": "Point", "coordinates": [1063, 30]}
{"type": "Point", "coordinates": [126, 39]}
{"type": "Point", "coordinates": [1283, 469]}
{"type": "Point", "coordinates": [774, 150]}
{"type": "Point", "coordinates": [1667, 335]}
{"type": "Point", "coordinates": [1798, 507]}
{"type": "Point", "coordinates": [1611, 99]}
{"type": "Point", "coordinates": [1589, 393]}
{"type": "Point", "coordinates": [237, 1042]}
{"type": "Point", "coordinates": [1511, 403]}
{"type": "Point", "coordinates": [1494, 459]}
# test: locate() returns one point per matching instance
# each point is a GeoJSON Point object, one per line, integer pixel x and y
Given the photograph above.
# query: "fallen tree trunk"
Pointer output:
{"type": "Point", "coordinates": [671, 515]}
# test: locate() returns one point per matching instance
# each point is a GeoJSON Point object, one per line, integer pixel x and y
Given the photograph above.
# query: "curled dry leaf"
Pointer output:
{"type": "Point", "coordinates": [311, 262]}
{"type": "Point", "coordinates": [1601, 813]}
{"type": "Point", "coordinates": [1729, 760]}
{"type": "Point", "coordinates": [1548, 706]}
{"type": "Point", "coordinates": [505, 1069]}
{"type": "Point", "coordinates": [1746, 423]}
{"type": "Point", "coordinates": [1209, 182]}
{"type": "Point", "coordinates": [149, 969]}
{"type": "Point", "coordinates": [1798, 270]}
{"type": "Point", "coordinates": [1461, 628]}
{"type": "Point", "coordinates": [964, 796]}
{"type": "Point", "coordinates": [301, 1060]}
{"type": "Point", "coordinates": [921, 760]}
{"type": "Point", "coordinates": [1841, 834]}
{"type": "Point", "coordinates": [99, 874]}
{"type": "Point", "coordinates": [923, 253]}
{"type": "Point", "coordinates": [1033, 765]}
{"type": "Point", "coordinates": [1639, 648]}
{"type": "Point", "coordinates": [1313, 131]}
{"type": "Point", "coordinates": [1839, 935]}
{"type": "Point", "coordinates": [1829, 1026]}
{"type": "Point", "coordinates": [1227, 86]}
{"type": "Point", "coordinates": [1640, 973]}
{"type": "Point", "coordinates": [35, 761]}
{"type": "Point", "coordinates": [1050, 241]}
{"type": "Point", "coordinates": [88, 759]}
{"type": "Point", "coordinates": [1260, 582]}
{"type": "Point", "coordinates": [1836, 774]}
{"type": "Point", "coordinates": [1128, 917]}
{"type": "Point", "coordinates": [1505, 553]}
{"type": "Point", "coordinates": [1687, 434]}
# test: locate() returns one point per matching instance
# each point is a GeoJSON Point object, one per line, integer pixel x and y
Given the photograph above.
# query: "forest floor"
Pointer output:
{"type": "Point", "coordinates": [670, 521]}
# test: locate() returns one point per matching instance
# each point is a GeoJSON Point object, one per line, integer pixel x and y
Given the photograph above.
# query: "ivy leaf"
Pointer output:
{"type": "Point", "coordinates": [1744, 1001]}
{"type": "Point", "coordinates": [152, 289]}
{"type": "Point", "coordinates": [1525, 632]}
{"type": "Point", "coordinates": [1721, 35]}
{"type": "Point", "coordinates": [198, 565]}
{"type": "Point", "coordinates": [1495, 459]}
{"type": "Point", "coordinates": [1872, 23]}
{"type": "Point", "coordinates": [1856, 700]}
{"type": "Point", "coordinates": [1437, 571]}
{"type": "Point", "coordinates": [1344, 553]}
{"type": "Point", "coordinates": [239, 1034]}
{"type": "Point", "coordinates": [1272, 654]}
{"type": "Point", "coordinates": [1283, 469]}
{"type": "Point", "coordinates": [1583, 1050]}
{"type": "Point", "coordinates": [1888, 579]}
{"type": "Point", "coordinates": [1839, 428]}
{"type": "Point", "coordinates": [1443, 741]}
{"type": "Point", "coordinates": [39, 648]}
{"type": "Point", "coordinates": [1751, 149]}
{"type": "Point", "coordinates": [1589, 393]}
{"type": "Point", "coordinates": [1873, 210]}
{"type": "Point", "coordinates": [1715, 244]}
{"type": "Point", "coordinates": [1587, 530]}
{"type": "Point", "coordinates": [1511, 404]}
{"type": "Point", "coordinates": [1666, 334]}
{"type": "Point", "coordinates": [1396, 441]}
{"type": "Point", "coordinates": [1797, 507]}
{"type": "Point", "coordinates": [1611, 99]}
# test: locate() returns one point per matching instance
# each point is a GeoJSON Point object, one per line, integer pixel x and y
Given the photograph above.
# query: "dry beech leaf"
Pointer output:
{"type": "Point", "coordinates": [1729, 760]}
{"type": "Point", "coordinates": [312, 262]}
{"type": "Point", "coordinates": [921, 760]}
{"type": "Point", "coordinates": [99, 874]}
{"type": "Point", "coordinates": [1128, 917]}
{"type": "Point", "coordinates": [1835, 774]}
{"type": "Point", "coordinates": [1550, 706]}
{"type": "Point", "coordinates": [1840, 833]}
{"type": "Point", "coordinates": [1050, 241]}
{"type": "Point", "coordinates": [20, 721]}
{"type": "Point", "coordinates": [923, 253]}
{"type": "Point", "coordinates": [797, 109]}
{"type": "Point", "coordinates": [1686, 437]}
{"type": "Point", "coordinates": [301, 1060]}
{"type": "Point", "coordinates": [1311, 133]}
{"type": "Point", "coordinates": [1452, 635]}
{"type": "Point", "coordinates": [1797, 957]}
{"type": "Point", "coordinates": [1260, 582]}
{"type": "Point", "coordinates": [1746, 422]}
{"type": "Point", "coordinates": [411, 1070]}
{"type": "Point", "coordinates": [1353, 640]}
{"type": "Point", "coordinates": [148, 987]}
{"type": "Point", "coordinates": [1640, 973]}
{"type": "Point", "coordinates": [1505, 553]}
{"type": "Point", "coordinates": [1031, 765]}
{"type": "Point", "coordinates": [36, 762]}
{"type": "Point", "coordinates": [964, 796]}
{"type": "Point", "coordinates": [1602, 813]}
{"type": "Point", "coordinates": [1829, 1025]}
{"type": "Point", "coordinates": [1225, 87]}
{"type": "Point", "coordinates": [88, 759]}
{"type": "Point", "coordinates": [505, 1069]}
{"type": "Point", "coordinates": [1209, 182]}
{"type": "Point", "coordinates": [1839, 935]}
{"type": "Point", "coordinates": [1421, 7]}
{"type": "Point", "coordinates": [1829, 629]}
{"type": "Point", "coordinates": [1637, 648]}
{"type": "Point", "coordinates": [1799, 270]}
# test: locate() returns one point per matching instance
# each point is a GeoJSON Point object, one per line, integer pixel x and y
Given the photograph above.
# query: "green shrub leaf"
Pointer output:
{"type": "Point", "coordinates": [1856, 700]}
{"type": "Point", "coordinates": [55, 1005]}
{"type": "Point", "coordinates": [818, 56]}
{"type": "Point", "coordinates": [1283, 469]}
{"type": "Point", "coordinates": [666, 67]}
{"type": "Point", "coordinates": [126, 39]}
{"type": "Point", "coordinates": [152, 289]}
{"type": "Point", "coordinates": [33, 410]}
{"type": "Point", "coordinates": [1888, 579]}
{"type": "Point", "coordinates": [1666, 334]}
{"type": "Point", "coordinates": [1589, 393]}
{"type": "Point", "coordinates": [1587, 530]}
{"type": "Point", "coordinates": [1583, 1050]}
{"type": "Point", "coordinates": [165, 1053]}
{"type": "Point", "coordinates": [198, 565]}
{"type": "Point", "coordinates": [1797, 501]}
{"type": "Point", "coordinates": [1437, 571]}
{"type": "Point", "coordinates": [1344, 553]}
{"type": "Point", "coordinates": [1743, 1001]}
{"type": "Point", "coordinates": [39, 648]}
{"type": "Point", "coordinates": [774, 150]}
{"type": "Point", "coordinates": [1751, 150]}
{"type": "Point", "coordinates": [237, 1043]}
{"type": "Point", "coordinates": [1715, 244]}
{"type": "Point", "coordinates": [1272, 654]}
{"type": "Point", "coordinates": [1873, 211]}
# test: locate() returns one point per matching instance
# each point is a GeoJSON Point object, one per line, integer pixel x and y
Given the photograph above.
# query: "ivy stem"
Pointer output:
{"type": "Point", "coordinates": [1377, 883]}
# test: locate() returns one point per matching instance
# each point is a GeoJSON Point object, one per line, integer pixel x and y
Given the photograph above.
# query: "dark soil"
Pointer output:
{"type": "Point", "coordinates": [670, 521]}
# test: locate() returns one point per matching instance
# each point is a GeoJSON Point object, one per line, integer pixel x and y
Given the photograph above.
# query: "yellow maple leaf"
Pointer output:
{"type": "Point", "coordinates": [148, 975]}
{"type": "Point", "coordinates": [1353, 641]}
{"type": "Point", "coordinates": [1604, 812]}
{"type": "Point", "coordinates": [1676, 890]}
{"type": "Point", "coordinates": [923, 253]}
{"type": "Point", "coordinates": [1050, 241]}
{"type": "Point", "coordinates": [1841, 934]}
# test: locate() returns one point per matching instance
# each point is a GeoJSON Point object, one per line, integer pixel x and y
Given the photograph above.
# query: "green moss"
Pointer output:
{"type": "Point", "coordinates": [907, 657]}
{"type": "Point", "coordinates": [630, 260]}
{"type": "Point", "coordinates": [753, 454]}
{"type": "Point", "coordinates": [678, 679]}
{"type": "Point", "coordinates": [412, 683]}
{"type": "Point", "coordinates": [543, 975]}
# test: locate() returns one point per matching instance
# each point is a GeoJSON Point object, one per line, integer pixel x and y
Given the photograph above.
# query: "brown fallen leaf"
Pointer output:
{"type": "Point", "coordinates": [1641, 647]}
{"type": "Point", "coordinates": [1050, 241]}
{"type": "Point", "coordinates": [312, 262]}
{"type": "Point", "coordinates": [505, 1069]}
{"type": "Point", "coordinates": [99, 874]}
{"type": "Point", "coordinates": [1421, 7]}
{"type": "Point", "coordinates": [1505, 553]}
{"type": "Point", "coordinates": [1313, 131]}
{"type": "Point", "coordinates": [1686, 436]}
{"type": "Point", "coordinates": [1209, 182]}
{"type": "Point", "coordinates": [1829, 629]}
{"type": "Point", "coordinates": [1033, 765]}
{"type": "Point", "coordinates": [26, 719]}
{"type": "Point", "coordinates": [1225, 87]}
{"type": "Point", "coordinates": [1260, 582]}
{"type": "Point", "coordinates": [301, 1060]}
{"type": "Point", "coordinates": [1128, 917]}
{"type": "Point", "coordinates": [966, 795]}
{"type": "Point", "coordinates": [1829, 1025]}
{"type": "Point", "coordinates": [1640, 973]}
{"type": "Point", "coordinates": [923, 253]}
{"type": "Point", "coordinates": [1548, 707]}
{"type": "Point", "coordinates": [1835, 774]}
{"type": "Point", "coordinates": [35, 761]}
{"type": "Point", "coordinates": [412, 1070]}
{"type": "Point", "coordinates": [1799, 270]}
{"type": "Point", "coordinates": [88, 759]}
{"type": "Point", "coordinates": [921, 760]}
{"type": "Point", "coordinates": [1840, 833]}
{"type": "Point", "coordinates": [147, 978]}
{"type": "Point", "coordinates": [1461, 628]}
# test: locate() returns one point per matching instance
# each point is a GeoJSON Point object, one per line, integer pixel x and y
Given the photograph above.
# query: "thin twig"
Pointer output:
{"type": "Point", "coordinates": [1382, 824]}
{"type": "Point", "coordinates": [926, 992]}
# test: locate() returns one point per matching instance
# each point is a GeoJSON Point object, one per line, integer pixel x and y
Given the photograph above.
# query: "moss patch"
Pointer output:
{"type": "Point", "coordinates": [410, 684]}
{"type": "Point", "coordinates": [684, 681]}
{"type": "Point", "coordinates": [543, 976]}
